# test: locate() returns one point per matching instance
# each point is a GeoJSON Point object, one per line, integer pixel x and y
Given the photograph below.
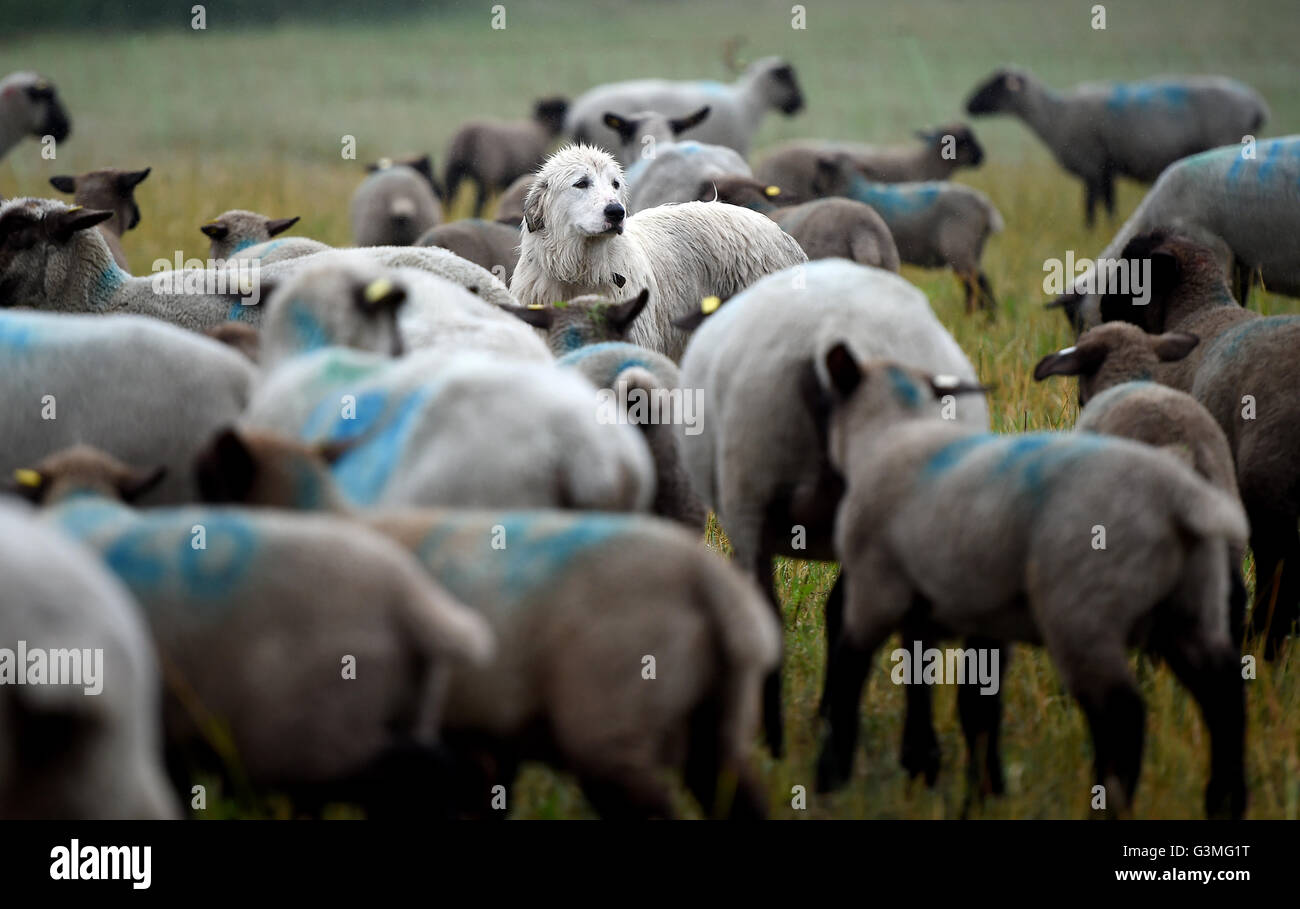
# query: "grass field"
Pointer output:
{"type": "Point", "coordinates": [234, 118]}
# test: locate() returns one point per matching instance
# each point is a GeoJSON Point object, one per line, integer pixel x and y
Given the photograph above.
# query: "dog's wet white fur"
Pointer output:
{"type": "Point", "coordinates": [571, 246]}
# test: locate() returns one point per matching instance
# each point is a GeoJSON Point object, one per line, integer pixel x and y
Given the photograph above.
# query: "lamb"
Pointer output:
{"type": "Point", "coordinates": [467, 431]}
{"type": "Point", "coordinates": [1242, 207]}
{"type": "Point", "coordinates": [155, 394]}
{"type": "Point", "coordinates": [914, 528]}
{"type": "Point", "coordinates": [69, 756]}
{"type": "Point", "coordinates": [793, 165]}
{"type": "Point", "coordinates": [1115, 363]}
{"type": "Point", "coordinates": [510, 206]}
{"type": "Point", "coordinates": [576, 241]}
{"type": "Point", "coordinates": [759, 463]}
{"type": "Point", "coordinates": [933, 224]}
{"type": "Point", "coordinates": [368, 307]}
{"type": "Point", "coordinates": [494, 153]}
{"type": "Point", "coordinates": [491, 244]}
{"type": "Point", "coordinates": [30, 106]}
{"type": "Point", "coordinates": [317, 595]}
{"type": "Point", "coordinates": [736, 110]}
{"type": "Point", "coordinates": [825, 228]}
{"type": "Point", "coordinates": [1134, 129]}
{"type": "Point", "coordinates": [108, 190]}
{"type": "Point", "coordinates": [556, 584]}
{"type": "Point", "coordinates": [1240, 373]}
{"type": "Point", "coordinates": [393, 206]}
{"type": "Point", "coordinates": [643, 133]}
{"type": "Point", "coordinates": [585, 320]}
{"type": "Point", "coordinates": [239, 234]}
{"type": "Point", "coordinates": [57, 263]}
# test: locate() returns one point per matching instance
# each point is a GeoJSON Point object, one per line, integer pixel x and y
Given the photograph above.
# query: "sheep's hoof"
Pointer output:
{"type": "Point", "coordinates": [923, 757]}
{"type": "Point", "coordinates": [832, 773]}
{"type": "Point", "coordinates": [1225, 801]}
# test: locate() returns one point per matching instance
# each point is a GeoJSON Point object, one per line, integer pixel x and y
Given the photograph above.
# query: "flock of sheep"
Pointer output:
{"type": "Point", "coordinates": [435, 504]}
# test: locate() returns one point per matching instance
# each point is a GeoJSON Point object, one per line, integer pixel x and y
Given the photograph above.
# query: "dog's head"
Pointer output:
{"type": "Point", "coordinates": [579, 190]}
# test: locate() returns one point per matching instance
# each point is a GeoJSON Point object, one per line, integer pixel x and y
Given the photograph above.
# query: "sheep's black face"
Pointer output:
{"type": "Point", "coordinates": [54, 120]}
{"type": "Point", "coordinates": [19, 234]}
{"type": "Point", "coordinates": [969, 152]}
{"type": "Point", "coordinates": [787, 96]}
{"type": "Point", "coordinates": [994, 95]}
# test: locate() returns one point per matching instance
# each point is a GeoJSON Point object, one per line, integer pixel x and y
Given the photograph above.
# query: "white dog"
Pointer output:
{"type": "Point", "coordinates": [577, 240]}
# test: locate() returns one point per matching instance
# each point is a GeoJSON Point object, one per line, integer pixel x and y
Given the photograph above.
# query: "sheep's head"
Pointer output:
{"type": "Point", "coordinates": [35, 103]}
{"type": "Point", "coordinates": [43, 242]}
{"type": "Point", "coordinates": [238, 229]}
{"type": "Point", "coordinates": [1184, 274]}
{"type": "Point", "coordinates": [79, 470]}
{"type": "Point", "coordinates": [999, 93]}
{"type": "Point", "coordinates": [421, 164]}
{"type": "Point", "coordinates": [854, 397]}
{"type": "Point", "coordinates": [333, 304]}
{"type": "Point", "coordinates": [591, 319]}
{"type": "Point", "coordinates": [580, 190]}
{"type": "Point", "coordinates": [109, 190]}
{"type": "Point", "coordinates": [955, 142]}
{"type": "Point", "coordinates": [550, 112]}
{"type": "Point", "coordinates": [633, 130]}
{"type": "Point", "coordinates": [834, 174]}
{"type": "Point", "coordinates": [253, 467]}
{"type": "Point", "coordinates": [743, 191]}
{"type": "Point", "coordinates": [1113, 353]}
{"type": "Point", "coordinates": [777, 84]}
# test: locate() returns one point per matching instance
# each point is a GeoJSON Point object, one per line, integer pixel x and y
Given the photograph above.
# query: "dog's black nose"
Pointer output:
{"type": "Point", "coordinates": [614, 213]}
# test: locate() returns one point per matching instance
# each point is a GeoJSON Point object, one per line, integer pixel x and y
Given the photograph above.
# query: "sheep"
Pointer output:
{"type": "Point", "coordinates": [493, 245]}
{"type": "Point", "coordinates": [386, 310]}
{"type": "Point", "coordinates": [933, 224]}
{"type": "Point", "coordinates": [393, 206]}
{"type": "Point", "coordinates": [759, 463]}
{"type": "Point", "coordinates": [736, 110]}
{"type": "Point", "coordinates": [576, 241]}
{"type": "Point", "coordinates": [30, 106]}
{"type": "Point", "coordinates": [825, 228]}
{"type": "Point", "coordinates": [1135, 129]}
{"type": "Point", "coordinates": [1115, 363]}
{"type": "Point", "coordinates": [998, 534]}
{"type": "Point", "coordinates": [589, 319]}
{"type": "Point", "coordinates": [510, 206]}
{"type": "Point", "coordinates": [793, 165]}
{"type": "Point", "coordinates": [155, 392]}
{"type": "Point", "coordinates": [554, 584]}
{"type": "Point", "coordinates": [469, 431]}
{"type": "Point", "coordinates": [239, 234]}
{"type": "Point", "coordinates": [1239, 372]}
{"type": "Point", "coordinates": [642, 134]}
{"type": "Point", "coordinates": [293, 602]}
{"type": "Point", "coordinates": [238, 336]}
{"type": "Point", "coordinates": [1242, 206]}
{"type": "Point", "coordinates": [494, 153]}
{"type": "Point", "coordinates": [49, 259]}
{"type": "Point", "coordinates": [108, 190]}
{"type": "Point", "coordinates": [66, 755]}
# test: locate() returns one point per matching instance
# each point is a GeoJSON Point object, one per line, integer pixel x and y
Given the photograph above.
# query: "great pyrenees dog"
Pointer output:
{"type": "Point", "coordinates": [577, 239]}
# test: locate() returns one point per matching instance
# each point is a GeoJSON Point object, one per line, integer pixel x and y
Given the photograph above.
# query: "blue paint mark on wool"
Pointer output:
{"type": "Point", "coordinates": [893, 199]}
{"type": "Point", "coordinates": [15, 337]}
{"type": "Point", "coordinates": [571, 340]}
{"type": "Point", "coordinates": [904, 387]}
{"type": "Point", "coordinates": [953, 453]}
{"type": "Point", "coordinates": [308, 332]}
{"type": "Point", "coordinates": [710, 87]}
{"type": "Point", "coordinates": [1167, 94]}
{"type": "Point", "coordinates": [106, 285]}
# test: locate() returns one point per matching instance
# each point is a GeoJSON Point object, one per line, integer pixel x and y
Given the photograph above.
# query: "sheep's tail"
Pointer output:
{"type": "Point", "coordinates": [1207, 511]}
{"type": "Point", "coordinates": [996, 224]}
{"type": "Point", "coordinates": [444, 626]}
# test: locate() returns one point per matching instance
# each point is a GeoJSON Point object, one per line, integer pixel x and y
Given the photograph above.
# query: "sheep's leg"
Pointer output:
{"type": "Point", "coordinates": [1108, 193]}
{"type": "Point", "coordinates": [969, 285]}
{"type": "Point", "coordinates": [981, 723]}
{"type": "Point", "coordinates": [920, 753]}
{"type": "Point", "coordinates": [624, 793]}
{"type": "Point", "coordinates": [987, 300]}
{"type": "Point", "coordinates": [834, 622]}
{"type": "Point", "coordinates": [1090, 194]}
{"type": "Point", "coordinates": [480, 197]}
{"type": "Point", "coordinates": [1276, 545]}
{"type": "Point", "coordinates": [773, 721]}
{"type": "Point", "coordinates": [1242, 279]}
{"type": "Point", "coordinates": [1237, 599]}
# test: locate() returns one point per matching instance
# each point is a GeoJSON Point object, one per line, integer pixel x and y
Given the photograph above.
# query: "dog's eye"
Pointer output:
{"type": "Point", "coordinates": [616, 184]}
{"type": "Point", "coordinates": [582, 184]}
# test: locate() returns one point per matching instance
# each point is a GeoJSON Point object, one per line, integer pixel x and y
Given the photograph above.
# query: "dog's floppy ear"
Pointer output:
{"type": "Point", "coordinates": [533, 207]}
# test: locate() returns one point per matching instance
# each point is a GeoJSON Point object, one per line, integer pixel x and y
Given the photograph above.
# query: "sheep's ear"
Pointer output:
{"type": "Point", "coordinates": [953, 385]}
{"type": "Point", "coordinates": [843, 369]}
{"type": "Point", "coordinates": [379, 295]}
{"type": "Point", "coordinates": [1174, 345]}
{"type": "Point", "coordinates": [816, 399]}
{"type": "Point", "coordinates": [225, 468]}
{"type": "Point", "coordinates": [64, 184]}
{"type": "Point", "coordinates": [129, 180]}
{"type": "Point", "coordinates": [533, 207]}
{"type": "Point", "coordinates": [625, 128]}
{"type": "Point", "coordinates": [536, 315]}
{"type": "Point", "coordinates": [215, 229]}
{"type": "Point", "coordinates": [140, 482]}
{"type": "Point", "coordinates": [27, 484]}
{"type": "Point", "coordinates": [424, 166]}
{"type": "Point", "coordinates": [691, 321]}
{"type": "Point", "coordinates": [280, 225]}
{"type": "Point", "coordinates": [61, 225]}
{"type": "Point", "coordinates": [623, 314]}
{"type": "Point", "coordinates": [1072, 361]}
{"type": "Point", "coordinates": [1069, 304]}
{"type": "Point", "coordinates": [681, 124]}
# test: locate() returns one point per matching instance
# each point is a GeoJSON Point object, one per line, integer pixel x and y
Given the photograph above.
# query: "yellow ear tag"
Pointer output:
{"type": "Point", "coordinates": [536, 306]}
{"type": "Point", "coordinates": [74, 208]}
{"type": "Point", "coordinates": [25, 476]}
{"type": "Point", "coordinates": [385, 163]}
{"type": "Point", "coordinates": [772, 191]}
{"type": "Point", "coordinates": [377, 289]}
{"type": "Point", "coordinates": [42, 85]}
{"type": "Point", "coordinates": [709, 304]}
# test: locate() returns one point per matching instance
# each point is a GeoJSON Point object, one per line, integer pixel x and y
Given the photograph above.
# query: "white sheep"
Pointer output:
{"type": "Point", "coordinates": [70, 751]}
{"type": "Point", "coordinates": [30, 106]}
{"type": "Point", "coordinates": [576, 241]}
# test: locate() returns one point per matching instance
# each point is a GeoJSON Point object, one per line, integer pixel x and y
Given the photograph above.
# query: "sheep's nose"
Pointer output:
{"type": "Point", "coordinates": [614, 213]}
